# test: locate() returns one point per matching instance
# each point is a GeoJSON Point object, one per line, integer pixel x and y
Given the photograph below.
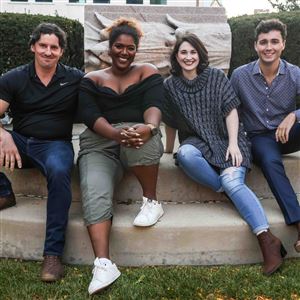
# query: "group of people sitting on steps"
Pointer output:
{"type": "Point", "coordinates": [222, 124]}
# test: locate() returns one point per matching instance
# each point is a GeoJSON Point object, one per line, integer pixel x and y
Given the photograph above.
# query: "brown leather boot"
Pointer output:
{"type": "Point", "coordinates": [52, 268]}
{"type": "Point", "coordinates": [272, 250]}
{"type": "Point", "coordinates": [7, 201]}
{"type": "Point", "coordinates": [297, 243]}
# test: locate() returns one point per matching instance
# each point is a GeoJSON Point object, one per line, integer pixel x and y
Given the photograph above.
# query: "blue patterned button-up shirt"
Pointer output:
{"type": "Point", "coordinates": [263, 106]}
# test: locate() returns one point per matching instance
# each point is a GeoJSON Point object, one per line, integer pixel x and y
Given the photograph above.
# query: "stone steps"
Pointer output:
{"type": "Point", "coordinates": [187, 234]}
{"type": "Point", "coordinates": [199, 227]}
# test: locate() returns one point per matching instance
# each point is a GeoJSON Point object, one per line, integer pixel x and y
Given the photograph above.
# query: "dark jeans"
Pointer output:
{"type": "Point", "coordinates": [5, 186]}
{"type": "Point", "coordinates": [267, 153]}
{"type": "Point", "coordinates": [55, 160]}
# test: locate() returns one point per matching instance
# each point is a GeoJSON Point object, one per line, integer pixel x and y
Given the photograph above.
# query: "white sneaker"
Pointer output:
{"type": "Point", "coordinates": [150, 213]}
{"type": "Point", "coordinates": [104, 274]}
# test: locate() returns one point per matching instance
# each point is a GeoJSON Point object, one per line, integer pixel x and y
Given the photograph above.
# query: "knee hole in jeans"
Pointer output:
{"type": "Point", "coordinates": [231, 181]}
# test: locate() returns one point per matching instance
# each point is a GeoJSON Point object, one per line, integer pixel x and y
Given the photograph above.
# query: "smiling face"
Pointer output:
{"type": "Point", "coordinates": [47, 51]}
{"type": "Point", "coordinates": [123, 51]}
{"type": "Point", "coordinates": [188, 59]}
{"type": "Point", "coordinates": [269, 47]}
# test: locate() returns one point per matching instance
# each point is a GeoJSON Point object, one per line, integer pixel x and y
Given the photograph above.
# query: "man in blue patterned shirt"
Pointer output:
{"type": "Point", "coordinates": [268, 88]}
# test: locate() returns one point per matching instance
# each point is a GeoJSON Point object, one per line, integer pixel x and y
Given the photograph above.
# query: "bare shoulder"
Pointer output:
{"type": "Point", "coordinates": [146, 70]}
{"type": "Point", "coordinates": [97, 76]}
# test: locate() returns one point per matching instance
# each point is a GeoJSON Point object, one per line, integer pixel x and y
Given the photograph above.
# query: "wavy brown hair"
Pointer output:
{"type": "Point", "coordinates": [192, 39]}
{"type": "Point", "coordinates": [48, 28]}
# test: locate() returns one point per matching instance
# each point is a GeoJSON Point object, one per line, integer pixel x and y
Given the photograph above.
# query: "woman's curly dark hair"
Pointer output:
{"type": "Point", "coordinates": [192, 39]}
{"type": "Point", "coordinates": [128, 26]}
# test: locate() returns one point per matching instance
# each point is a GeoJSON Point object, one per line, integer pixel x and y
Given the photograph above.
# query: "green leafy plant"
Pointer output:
{"type": "Point", "coordinates": [286, 5]}
{"type": "Point", "coordinates": [15, 33]}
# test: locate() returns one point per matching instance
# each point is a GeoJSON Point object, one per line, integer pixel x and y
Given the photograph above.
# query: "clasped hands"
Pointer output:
{"type": "Point", "coordinates": [135, 136]}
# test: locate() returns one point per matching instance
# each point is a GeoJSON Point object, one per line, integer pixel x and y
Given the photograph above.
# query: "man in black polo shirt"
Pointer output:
{"type": "Point", "coordinates": [42, 97]}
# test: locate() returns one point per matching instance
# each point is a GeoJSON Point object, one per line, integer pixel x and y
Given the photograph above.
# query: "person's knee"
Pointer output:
{"type": "Point", "coordinates": [266, 156]}
{"type": "Point", "coordinates": [97, 209]}
{"type": "Point", "coordinates": [147, 155]}
{"type": "Point", "coordinates": [267, 161]}
{"type": "Point", "coordinates": [232, 181]}
{"type": "Point", "coordinates": [58, 169]}
{"type": "Point", "coordinates": [187, 153]}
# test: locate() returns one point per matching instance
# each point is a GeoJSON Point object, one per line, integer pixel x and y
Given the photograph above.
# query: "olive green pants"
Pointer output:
{"type": "Point", "coordinates": [101, 166]}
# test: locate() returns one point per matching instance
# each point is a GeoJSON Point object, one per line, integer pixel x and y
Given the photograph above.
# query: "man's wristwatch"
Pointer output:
{"type": "Point", "coordinates": [154, 129]}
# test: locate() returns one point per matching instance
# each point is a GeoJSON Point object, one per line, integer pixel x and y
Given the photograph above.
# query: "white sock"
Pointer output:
{"type": "Point", "coordinates": [261, 231]}
{"type": "Point", "coordinates": [151, 200]}
{"type": "Point", "coordinates": [105, 261]}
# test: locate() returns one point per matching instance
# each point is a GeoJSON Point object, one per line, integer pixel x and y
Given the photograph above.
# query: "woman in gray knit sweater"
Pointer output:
{"type": "Point", "coordinates": [214, 150]}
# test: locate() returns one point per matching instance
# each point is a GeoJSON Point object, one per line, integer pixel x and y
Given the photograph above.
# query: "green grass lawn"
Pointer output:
{"type": "Point", "coordinates": [19, 280]}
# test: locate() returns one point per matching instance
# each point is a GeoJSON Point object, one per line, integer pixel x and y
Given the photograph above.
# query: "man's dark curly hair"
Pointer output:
{"type": "Point", "coordinates": [266, 26]}
{"type": "Point", "coordinates": [48, 28]}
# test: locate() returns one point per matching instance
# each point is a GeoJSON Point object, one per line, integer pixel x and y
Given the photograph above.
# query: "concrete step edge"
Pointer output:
{"type": "Point", "coordinates": [173, 184]}
{"type": "Point", "coordinates": [187, 234]}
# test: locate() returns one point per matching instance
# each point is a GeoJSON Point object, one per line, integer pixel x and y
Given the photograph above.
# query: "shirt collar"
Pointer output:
{"type": "Point", "coordinates": [281, 70]}
{"type": "Point", "coordinates": [256, 68]}
{"type": "Point", "coordinates": [59, 73]}
{"type": "Point", "coordinates": [282, 67]}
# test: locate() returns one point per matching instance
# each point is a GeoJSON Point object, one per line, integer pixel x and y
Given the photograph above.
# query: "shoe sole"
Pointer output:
{"type": "Point", "coordinates": [106, 285]}
{"type": "Point", "coordinates": [283, 253]}
{"type": "Point", "coordinates": [148, 225]}
{"type": "Point", "coordinates": [50, 278]}
{"type": "Point", "coordinates": [10, 204]}
{"type": "Point", "coordinates": [297, 246]}
{"type": "Point", "coordinates": [274, 269]}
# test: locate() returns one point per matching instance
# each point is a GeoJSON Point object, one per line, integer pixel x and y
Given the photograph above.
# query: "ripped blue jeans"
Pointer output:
{"type": "Point", "coordinates": [231, 180]}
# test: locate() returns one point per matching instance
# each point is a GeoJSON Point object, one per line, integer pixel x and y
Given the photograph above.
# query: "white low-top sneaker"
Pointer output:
{"type": "Point", "coordinates": [150, 213]}
{"type": "Point", "coordinates": [104, 274]}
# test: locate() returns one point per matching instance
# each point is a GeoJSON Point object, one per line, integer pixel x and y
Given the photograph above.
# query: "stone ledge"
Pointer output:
{"type": "Point", "coordinates": [188, 234]}
{"type": "Point", "coordinates": [173, 184]}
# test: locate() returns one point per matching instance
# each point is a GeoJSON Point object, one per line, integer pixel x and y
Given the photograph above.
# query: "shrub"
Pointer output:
{"type": "Point", "coordinates": [15, 32]}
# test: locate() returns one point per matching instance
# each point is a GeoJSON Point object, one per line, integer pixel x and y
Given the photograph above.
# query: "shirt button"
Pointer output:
{"type": "Point", "coordinates": [267, 109]}
{"type": "Point", "coordinates": [267, 88]}
{"type": "Point", "coordinates": [267, 121]}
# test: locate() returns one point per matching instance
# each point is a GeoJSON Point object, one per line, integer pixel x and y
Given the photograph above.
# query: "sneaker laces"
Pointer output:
{"type": "Point", "coordinates": [99, 266]}
{"type": "Point", "coordinates": [51, 263]}
{"type": "Point", "coordinates": [52, 260]}
{"type": "Point", "coordinates": [146, 204]}
{"type": "Point", "coordinates": [99, 269]}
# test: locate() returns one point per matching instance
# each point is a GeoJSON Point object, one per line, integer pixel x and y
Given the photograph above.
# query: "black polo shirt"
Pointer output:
{"type": "Point", "coordinates": [39, 111]}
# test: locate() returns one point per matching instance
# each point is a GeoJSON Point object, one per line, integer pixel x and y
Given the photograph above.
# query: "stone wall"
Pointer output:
{"type": "Point", "coordinates": [161, 25]}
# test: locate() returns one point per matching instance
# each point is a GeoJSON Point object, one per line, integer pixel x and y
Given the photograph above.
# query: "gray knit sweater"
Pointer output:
{"type": "Point", "coordinates": [197, 108]}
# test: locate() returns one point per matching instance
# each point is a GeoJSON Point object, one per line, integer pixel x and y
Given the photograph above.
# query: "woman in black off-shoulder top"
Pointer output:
{"type": "Point", "coordinates": [121, 107]}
